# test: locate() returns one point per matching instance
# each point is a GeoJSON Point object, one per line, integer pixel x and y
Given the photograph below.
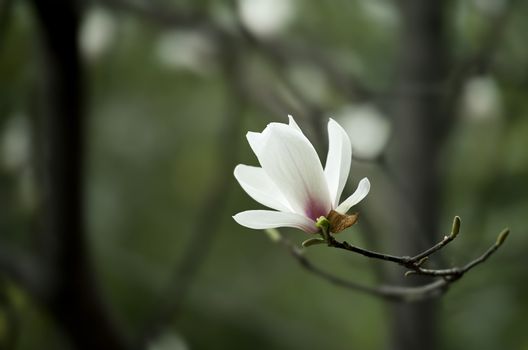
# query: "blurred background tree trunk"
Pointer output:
{"type": "Point", "coordinates": [73, 297]}
{"type": "Point", "coordinates": [412, 158]}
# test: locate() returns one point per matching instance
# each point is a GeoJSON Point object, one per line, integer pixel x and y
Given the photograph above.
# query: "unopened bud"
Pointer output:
{"type": "Point", "coordinates": [456, 227]}
{"type": "Point", "coordinates": [502, 236]}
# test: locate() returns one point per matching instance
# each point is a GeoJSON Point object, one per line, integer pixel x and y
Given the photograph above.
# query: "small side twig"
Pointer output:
{"type": "Point", "coordinates": [459, 271]}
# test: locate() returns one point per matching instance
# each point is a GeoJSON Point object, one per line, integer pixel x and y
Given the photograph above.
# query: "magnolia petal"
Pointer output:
{"type": "Point", "coordinates": [292, 164]}
{"type": "Point", "coordinates": [263, 219]}
{"type": "Point", "coordinates": [356, 197]}
{"type": "Point", "coordinates": [255, 141]}
{"type": "Point", "coordinates": [255, 138]}
{"type": "Point", "coordinates": [293, 124]}
{"type": "Point", "coordinates": [338, 160]}
{"type": "Point", "coordinates": [258, 185]}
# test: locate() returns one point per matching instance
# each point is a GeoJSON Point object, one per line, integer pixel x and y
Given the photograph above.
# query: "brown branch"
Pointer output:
{"type": "Point", "coordinates": [387, 292]}
{"type": "Point", "coordinates": [414, 263]}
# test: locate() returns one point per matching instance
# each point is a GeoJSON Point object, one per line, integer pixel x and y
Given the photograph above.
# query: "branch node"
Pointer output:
{"type": "Point", "coordinates": [422, 261]}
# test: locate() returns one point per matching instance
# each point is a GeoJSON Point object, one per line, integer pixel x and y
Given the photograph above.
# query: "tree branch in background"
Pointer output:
{"type": "Point", "coordinates": [162, 16]}
{"type": "Point", "coordinates": [6, 9]}
{"type": "Point", "coordinates": [280, 54]}
{"type": "Point", "coordinates": [394, 293]}
{"type": "Point", "coordinates": [11, 320]}
{"type": "Point", "coordinates": [24, 269]}
{"type": "Point", "coordinates": [208, 219]}
{"type": "Point", "coordinates": [284, 53]}
{"type": "Point", "coordinates": [480, 61]}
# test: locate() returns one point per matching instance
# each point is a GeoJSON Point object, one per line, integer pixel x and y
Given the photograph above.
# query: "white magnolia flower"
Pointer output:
{"type": "Point", "coordinates": [292, 180]}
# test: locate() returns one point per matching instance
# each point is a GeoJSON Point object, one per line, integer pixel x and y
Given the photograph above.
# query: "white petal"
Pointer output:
{"type": "Point", "coordinates": [293, 124]}
{"type": "Point", "coordinates": [338, 160]}
{"type": "Point", "coordinates": [258, 185]}
{"type": "Point", "coordinates": [356, 197]}
{"type": "Point", "coordinates": [292, 164]}
{"type": "Point", "coordinates": [255, 141]}
{"type": "Point", "coordinates": [255, 138]}
{"type": "Point", "coordinates": [263, 219]}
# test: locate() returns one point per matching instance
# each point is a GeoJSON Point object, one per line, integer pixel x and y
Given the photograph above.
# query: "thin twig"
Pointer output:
{"type": "Point", "coordinates": [415, 263]}
{"type": "Point", "coordinates": [459, 271]}
{"type": "Point", "coordinates": [407, 261]}
{"type": "Point", "coordinates": [455, 229]}
{"type": "Point", "coordinates": [401, 260]}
